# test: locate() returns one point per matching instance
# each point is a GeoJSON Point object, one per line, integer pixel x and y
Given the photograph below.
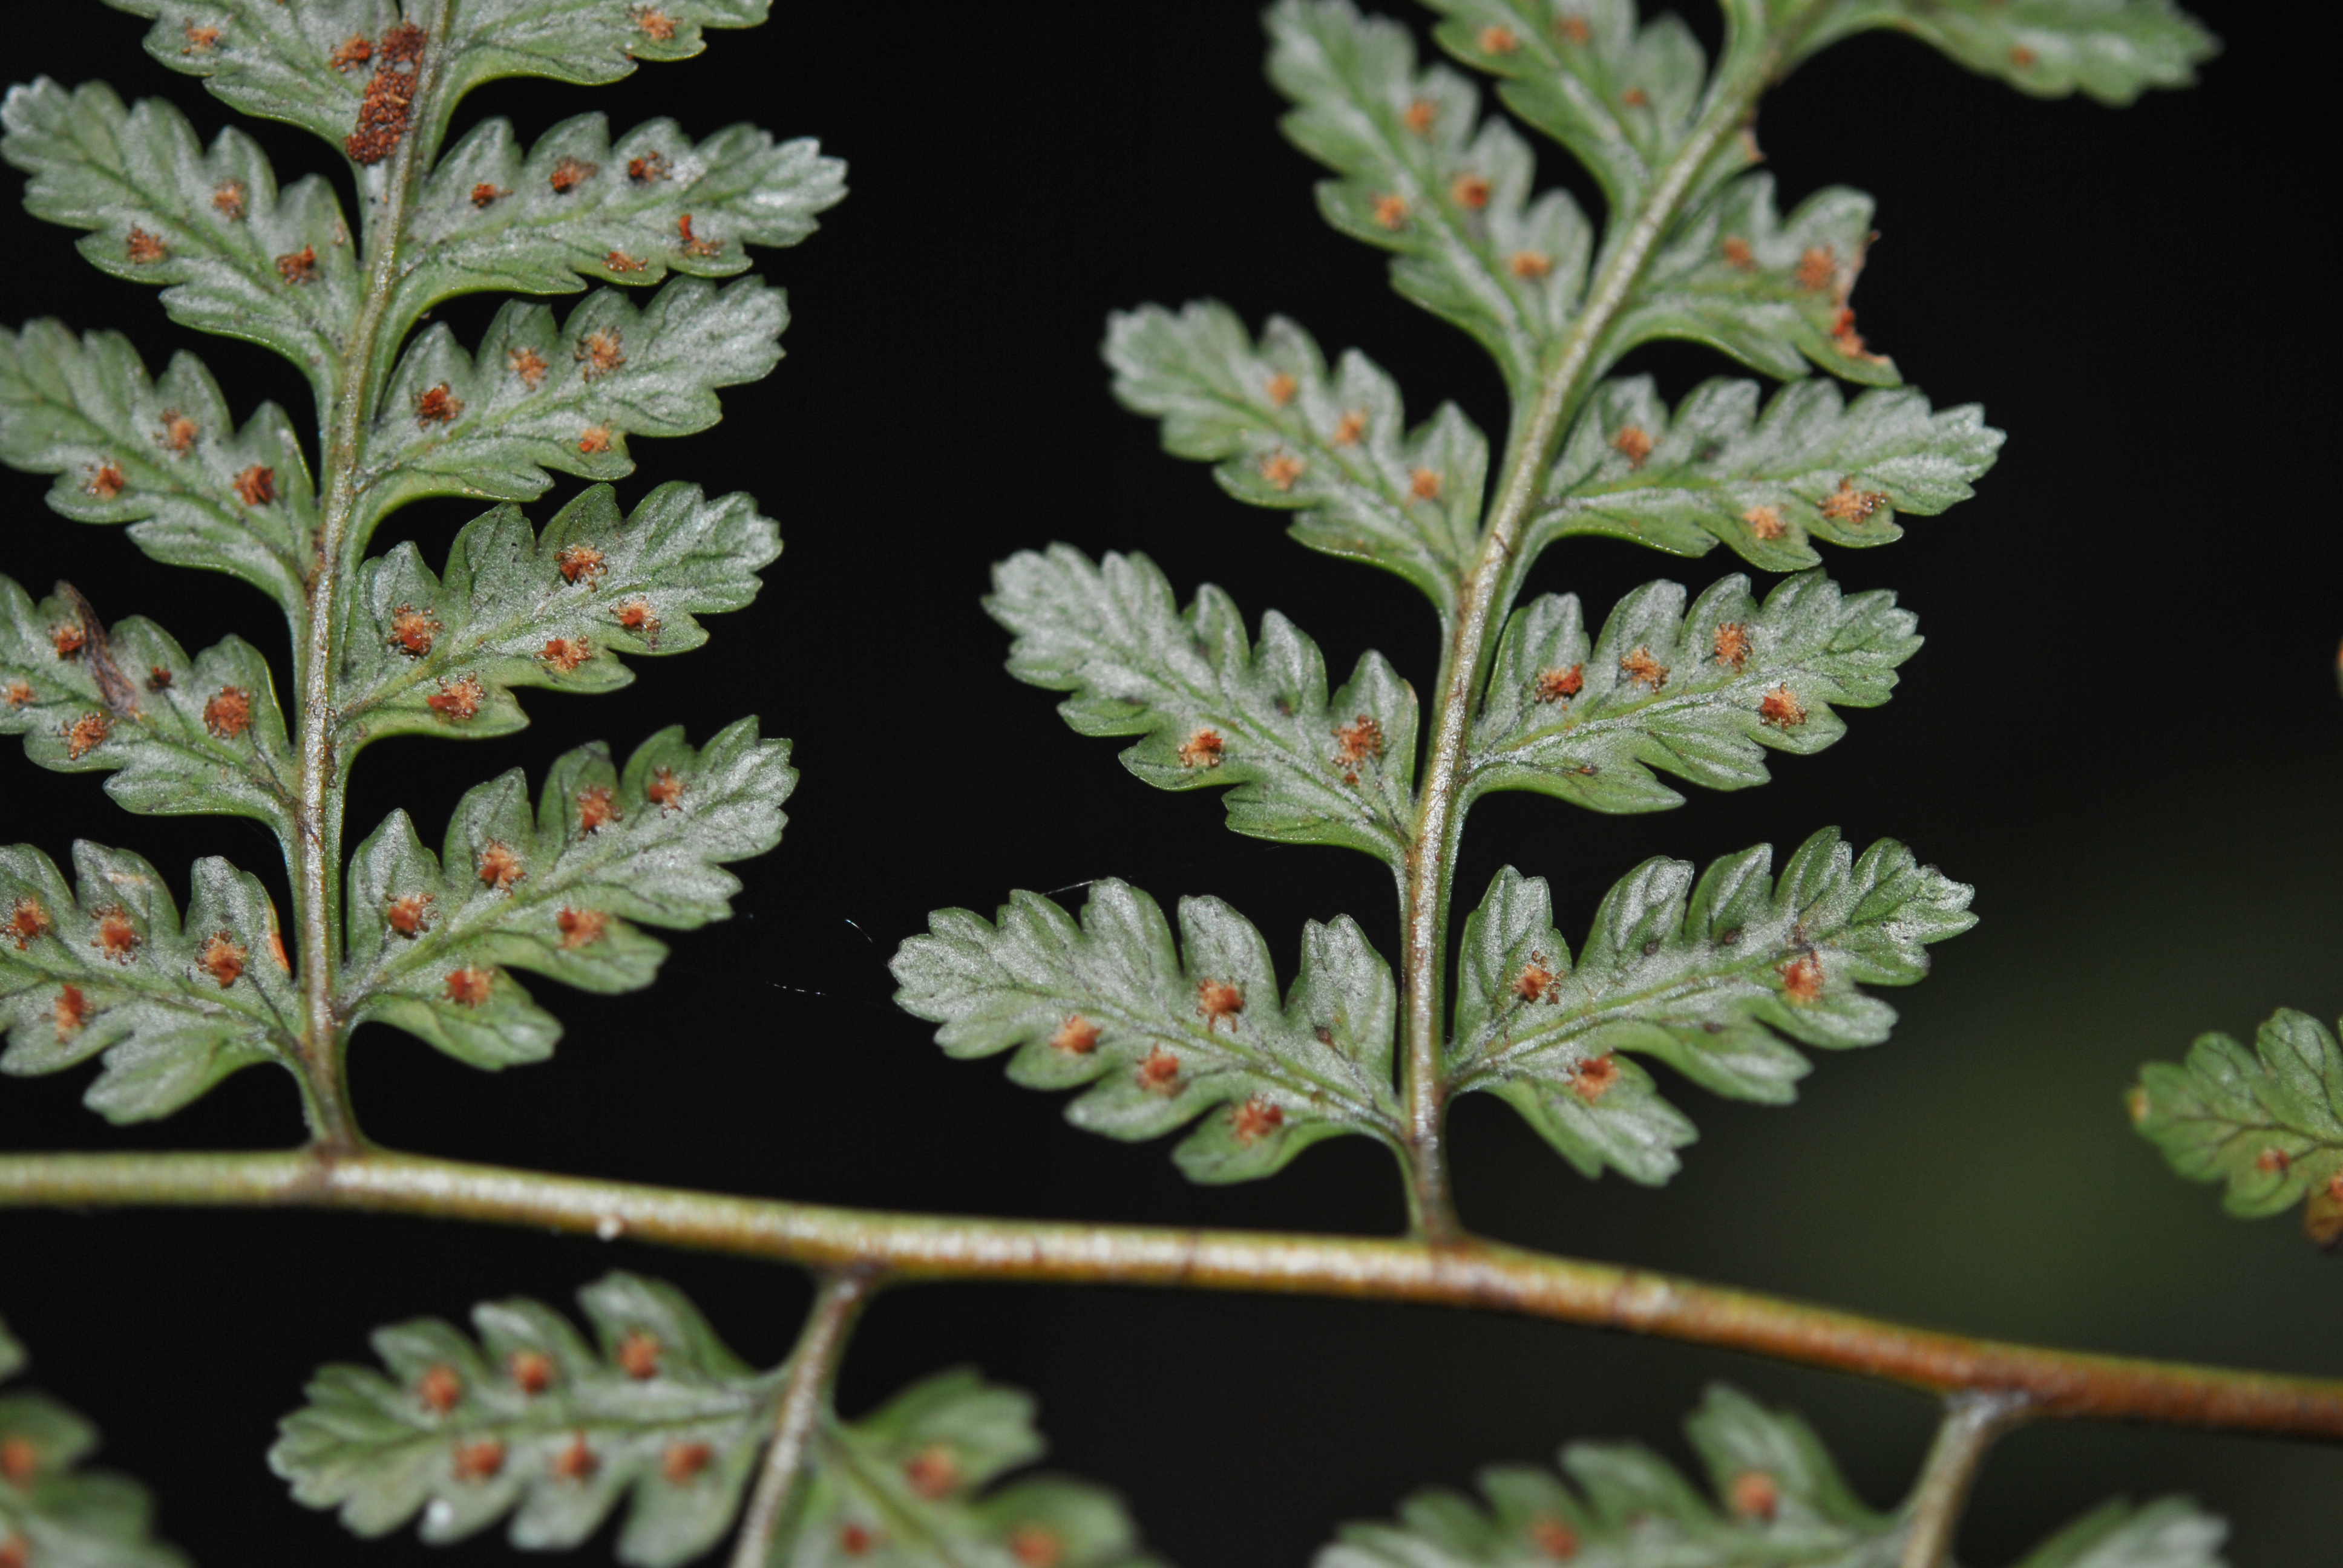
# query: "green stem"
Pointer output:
{"type": "Point", "coordinates": [1487, 593]}
{"type": "Point", "coordinates": [805, 1399]}
{"type": "Point", "coordinates": [318, 816]}
{"type": "Point", "coordinates": [1973, 1423]}
{"type": "Point", "coordinates": [1466, 1272]}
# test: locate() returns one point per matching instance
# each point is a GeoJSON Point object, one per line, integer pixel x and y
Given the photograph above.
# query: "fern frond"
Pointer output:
{"type": "Point", "coordinates": [1622, 96]}
{"type": "Point", "coordinates": [1164, 1035]}
{"type": "Point", "coordinates": [540, 395]}
{"type": "Point", "coordinates": [242, 257]}
{"type": "Point", "coordinates": [179, 736]}
{"type": "Point", "coordinates": [1216, 708]}
{"type": "Point", "coordinates": [1285, 433]}
{"type": "Point", "coordinates": [1701, 692]}
{"type": "Point", "coordinates": [2111, 50]}
{"type": "Point", "coordinates": [1715, 978]}
{"type": "Point", "coordinates": [519, 608]}
{"type": "Point", "coordinates": [531, 1420]}
{"type": "Point", "coordinates": [577, 205]}
{"type": "Point", "coordinates": [430, 937]}
{"type": "Point", "coordinates": [1810, 467]}
{"type": "Point", "coordinates": [1425, 177]}
{"type": "Point", "coordinates": [164, 456]}
{"type": "Point", "coordinates": [297, 63]}
{"type": "Point", "coordinates": [1774, 1497]}
{"type": "Point", "coordinates": [173, 1006]}
{"type": "Point", "coordinates": [2269, 1121]}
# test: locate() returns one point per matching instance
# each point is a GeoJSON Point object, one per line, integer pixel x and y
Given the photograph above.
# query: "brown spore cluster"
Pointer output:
{"type": "Point", "coordinates": [389, 106]}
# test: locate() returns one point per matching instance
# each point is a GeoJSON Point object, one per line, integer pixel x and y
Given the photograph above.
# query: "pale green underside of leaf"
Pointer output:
{"type": "Point", "coordinates": [909, 1477]}
{"type": "Point", "coordinates": [1778, 1501]}
{"type": "Point", "coordinates": [1715, 978]}
{"type": "Point", "coordinates": [1700, 692]}
{"type": "Point", "coordinates": [1474, 248]}
{"type": "Point", "coordinates": [1110, 1003]}
{"type": "Point", "coordinates": [2269, 1121]}
{"type": "Point", "coordinates": [680, 1429]}
{"type": "Point", "coordinates": [1810, 467]}
{"type": "Point", "coordinates": [376, 1448]}
{"type": "Point", "coordinates": [1214, 708]}
{"type": "Point", "coordinates": [1780, 307]}
{"type": "Point", "coordinates": [1622, 97]}
{"type": "Point", "coordinates": [115, 971]}
{"type": "Point", "coordinates": [199, 736]}
{"type": "Point", "coordinates": [87, 411]}
{"type": "Point", "coordinates": [490, 216]}
{"type": "Point", "coordinates": [61, 1517]}
{"type": "Point", "coordinates": [569, 895]}
{"type": "Point", "coordinates": [540, 394]}
{"type": "Point", "coordinates": [1287, 433]}
{"type": "Point", "coordinates": [516, 609]}
{"type": "Point", "coordinates": [213, 224]}
{"type": "Point", "coordinates": [2112, 50]}
{"type": "Point", "coordinates": [276, 61]}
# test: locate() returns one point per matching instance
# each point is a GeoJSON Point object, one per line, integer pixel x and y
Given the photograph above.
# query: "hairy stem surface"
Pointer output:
{"type": "Point", "coordinates": [1485, 596]}
{"type": "Point", "coordinates": [1465, 1273]}
{"type": "Point", "coordinates": [1973, 1423]}
{"type": "Point", "coordinates": [813, 1370]}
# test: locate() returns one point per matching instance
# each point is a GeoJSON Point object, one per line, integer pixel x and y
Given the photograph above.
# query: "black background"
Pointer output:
{"type": "Point", "coordinates": [2124, 730]}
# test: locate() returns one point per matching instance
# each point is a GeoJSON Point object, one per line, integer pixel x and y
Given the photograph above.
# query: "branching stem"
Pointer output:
{"type": "Point", "coordinates": [1465, 1273]}
{"type": "Point", "coordinates": [317, 636]}
{"type": "Point", "coordinates": [805, 1399]}
{"type": "Point", "coordinates": [1485, 596]}
{"type": "Point", "coordinates": [1973, 1423]}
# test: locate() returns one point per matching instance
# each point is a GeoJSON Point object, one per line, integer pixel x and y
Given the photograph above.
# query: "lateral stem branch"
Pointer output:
{"type": "Point", "coordinates": [1485, 594]}
{"type": "Point", "coordinates": [1473, 1273]}
{"type": "Point", "coordinates": [805, 1400]}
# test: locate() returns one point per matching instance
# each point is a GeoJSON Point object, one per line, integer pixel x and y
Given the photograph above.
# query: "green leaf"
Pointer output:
{"type": "Point", "coordinates": [1213, 708]}
{"type": "Point", "coordinates": [912, 1476]}
{"type": "Point", "coordinates": [1811, 467]}
{"type": "Point", "coordinates": [1454, 202]}
{"type": "Point", "coordinates": [270, 60]}
{"type": "Point", "coordinates": [173, 1006]}
{"type": "Point", "coordinates": [519, 610]}
{"type": "Point", "coordinates": [557, 38]}
{"type": "Point", "coordinates": [2169, 1533]}
{"type": "Point", "coordinates": [1716, 978]}
{"type": "Point", "coordinates": [1700, 693]}
{"type": "Point", "coordinates": [2269, 1121]}
{"type": "Point", "coordinates": [491, 217]}
{"type": "Point", "coordinates": [280, 62]}
{"type": "Point", "coordinates": [1728, 271]}
{"type": "Point", "coordinates": [530, 1420]}
{"type": "Point", "coordinates": [1110, 1003]}
{"type": "Point", "coordinates": [1778, 1498]}
{"type": "Point", "coordinates": [244, 258]}
{"type": "Point", "coordinates": [1622, 98]}
{"type": "Point", "coordinates": [533, 1421]}
{"type": "Point", "coordinates": [430, 938]}
{"type": "Point", "coordinates": [180, 735]}
{"type": "Point", "coordinates": [162, 456]}
{"type": "Point", "coordinates": [1285, 434]}
{"type": "Point", "coordinates": [1771, 292]}
{"type": "Point", "coordinates": [52, 1512]}
{"type": "Point", "coordinates": [2113, 50]}
{"type": "Point", "coordinates": [539, 396]}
